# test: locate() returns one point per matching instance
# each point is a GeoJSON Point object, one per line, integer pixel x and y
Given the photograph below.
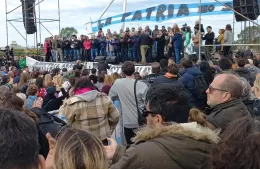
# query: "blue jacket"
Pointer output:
{"type": "Point", "coordinates": [177, 40]}
{"type": "Point", "coordinates": [102, 41]}
{"type": "Point", "coordinates": [188, 79]}
{"type": "Point", "coordinates": [115, 43]}
{"type": "Point", "coordinates": [30, 101]}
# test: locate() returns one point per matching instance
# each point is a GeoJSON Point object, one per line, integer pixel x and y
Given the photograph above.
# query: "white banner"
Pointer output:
{"type": "Point", "coordinates": [48, 66]}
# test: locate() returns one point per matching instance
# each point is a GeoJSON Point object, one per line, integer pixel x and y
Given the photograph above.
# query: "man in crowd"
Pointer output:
{"type": "Point", "coordinates": [124, 89]}
{"type": "Point", "coordinates": [75, 47]}
{"type": "Point", "coordinates": [155, 73]}
{"type": "Point", "coordinates": [244, 72]}
{"type": "Point", "coordinates": [56, 47]}
{"type": "Point", "coordinates": [209, 38]}
{"type": "Point", "coordinates": [19, 142]}
{"type": "Point", "coordinates": [66, 49]}
{"type": "Point", "coordinates": [166, 146]}
{"type": "Point", "coordinates": [144, 42]}
{"type": "Point", "coordinates": [225, 66]}
{"type": "Point", "coordinates": [78, 65]}
{"type": "Point", "coordinates": [224, 95]}
{"type": "Point", "coordinates": [164, 66]}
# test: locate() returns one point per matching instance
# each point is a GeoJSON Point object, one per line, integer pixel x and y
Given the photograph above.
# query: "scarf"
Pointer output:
{"type": "Point", "coordinates": [170, 76]}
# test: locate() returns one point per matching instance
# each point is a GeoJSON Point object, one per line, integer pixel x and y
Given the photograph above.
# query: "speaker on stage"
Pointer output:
{"type": "Point", "coordinates": [99, 58]}
{"type": "Point", "coordinates": [29, 19]}
{"type": "Point", "coordinates": [111, 59]}
{"type": "Point", "coordinates": [248, 8]}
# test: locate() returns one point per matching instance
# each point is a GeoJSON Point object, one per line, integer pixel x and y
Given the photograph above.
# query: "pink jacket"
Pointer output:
{"type": "Point", "coordinates": [87, 44]}
{"type": "Point", "coordinates": [46, 45]}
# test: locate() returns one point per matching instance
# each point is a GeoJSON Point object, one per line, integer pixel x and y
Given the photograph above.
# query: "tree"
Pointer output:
{"type": "Point", "coordinates": [249, 35]}
{"type": "Point", "coordinates": [68, 32]}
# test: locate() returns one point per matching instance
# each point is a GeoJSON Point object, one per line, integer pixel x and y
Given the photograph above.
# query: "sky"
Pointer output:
{"type": "Point", "coordinates": [75, 13]}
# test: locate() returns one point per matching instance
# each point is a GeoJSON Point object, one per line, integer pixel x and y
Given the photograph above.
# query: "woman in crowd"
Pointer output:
{"type": "Point", "coordinates": [47, 50]}
{"type": "Point", "coordinates": [87, 49]}
{"type": "Point", "coordinates": [50, 101]}
{"type": "Point", "coordinates": [160, 46]}
{"type": "Point", "coordinates": [220, 40]}
{"type": "Point", "coordinates": [239, 147]}
{"type": "Point", "coordinates": [32, 96]}
{"type": "Point", "coordinates": [90, 110]}
{"type": "Point", "coordinates": [228, 40]}
{"type": "Point", "coordinates": [170, 77]}
{"type": "Point", "coordinates": [248, 97]}
{"type": "Point", "coordinates": [47, 79]}
{"type": "Point", "coordinates": [109, 46]}
{"type": "Point", "coordinates": [207, 72]}
{"type": "Point", "coordinates": [23, 84]}
{"type": "Point", "coordinates": [76, 149]}
{"type": "Point", "coordinates": [177, 43]}
{"type": "Point", "coordinates": [41, 90]}
{"type": "Point", "coordinates": [116, 42]}
{"type": "Point", "coordinates": [187, 40]}
{"type": "Point", "coordinates": [256, 90]}
{"type": "Point", "coordinates": [94, 49]}
{"type": "Point", "coordinates": [103, 43]}
{"type": "Point", "coordinates": [115, 76]}
{"type": "Point", "coordinates": [108, 82]}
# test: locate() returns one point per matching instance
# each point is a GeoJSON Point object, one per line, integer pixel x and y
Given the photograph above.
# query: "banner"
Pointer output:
{"type": "Point", "coordinates": [48, 66]}
{"type": "Point", "coordinates": [165, 12]}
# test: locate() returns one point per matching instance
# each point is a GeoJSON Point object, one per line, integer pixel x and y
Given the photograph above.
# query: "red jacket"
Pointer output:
{"type": "Point", "coordinates": [87, 44]}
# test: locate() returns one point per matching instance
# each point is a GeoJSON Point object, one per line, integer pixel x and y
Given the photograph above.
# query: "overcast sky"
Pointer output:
{"type": "Point", "coordinates": [75, 13]}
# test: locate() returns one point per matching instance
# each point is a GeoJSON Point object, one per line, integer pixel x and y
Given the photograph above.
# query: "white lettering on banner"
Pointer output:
{"type": "Point", "coordinates": [48, 66]}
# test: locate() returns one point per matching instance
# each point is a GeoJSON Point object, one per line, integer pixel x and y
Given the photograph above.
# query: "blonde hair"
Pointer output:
{"type": "Point", "coordinates": [108, 80]}
{"type": "Point", "coordinates": [257, 82]}
{"type": "Point", "coordinates": [76, 148]}
{"type": "Point", "coordinates": [47, 79]}
{"type": "Point", "coordinates": [196, 115]}
{"type": "Point", "coordinates": [23, 80]}
{"type": "Point", "coordinates": [115, 76]}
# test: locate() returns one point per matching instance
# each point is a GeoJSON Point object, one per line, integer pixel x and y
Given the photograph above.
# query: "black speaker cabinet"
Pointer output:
{"type": "Point", "coordinates": [248, 8]}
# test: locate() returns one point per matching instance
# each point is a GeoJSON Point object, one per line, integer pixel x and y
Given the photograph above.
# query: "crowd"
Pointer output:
{"type": "Point", "coordinates": [206, 114]}
{"type": "Point", "coordinates": [142, 45]}
{"type": "Point", "coordinates": [185, 114]}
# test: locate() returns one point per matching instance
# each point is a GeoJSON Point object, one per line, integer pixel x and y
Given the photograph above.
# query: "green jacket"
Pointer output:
{"type": "Point", "coordinates": [187, 41]}
{"type": "Point", "coordinates": [181, 146]}
{"type": "Point", "coordinates": [22, 63]}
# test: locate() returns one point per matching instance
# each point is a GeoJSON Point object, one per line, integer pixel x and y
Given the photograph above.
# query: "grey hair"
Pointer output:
{"type": "Point", "coordinates": [247, 94]}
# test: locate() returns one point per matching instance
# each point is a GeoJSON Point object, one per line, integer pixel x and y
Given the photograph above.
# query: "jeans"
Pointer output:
{"type": "Point", "coordinates": [103, 51]}
{"type": "Point", "coordinates": [66, 54]}
{"type": "Point", "coordinates": [136, 54]}
{"type": "Point", "coordinates": [76, 54]}
{"type": "Point", "coordinates": [196, 49]}
{"type": "Point", "coordinates": [87, 55]}
{"type": "Point", "coordinates": [149, 54]}
{"type": "Point", "coordinates": [116, 54]}
{"type": "Point", "coordinates": [177, 55]}
{"type": "Point", "coordinates": [131, 53]}
{"type": "Point", "coordinates": [155, 47]}
{"type": "Point", "coordinates": [53, 56]}
{"type": "Point", "coordinates": [94, 53]}
{"type": "Point", "coordinates": [124, 54]}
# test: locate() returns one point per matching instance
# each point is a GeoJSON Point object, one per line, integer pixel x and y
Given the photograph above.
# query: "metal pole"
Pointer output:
{"type": "Point", "coordinates": [249, 33]}
{"type": "Point", "coordinates": [200, 33]}
{"type": "Point", "coordinates": [6, 24]}
{"type": "Point", "coordinates": [237, 12]}
{"type": "Point", "coordinates": [40, 30]}
{"type": "Point", "coordinates": [46, 29]}
{"type": "Point", "coordinates": [111, 2]}
{"type": "Point", "coordinates": [59, 14]}
{"type": "Point", "coordinates": [14, 9]}
{"type": "Point", "coordinates": [124, 11]}
{"type": "Point", "coordinates": [233, 27]}
{"type": "Point", "coordinates": [25, 21]}
{"type": "Point", "coordinates": [17, 30]}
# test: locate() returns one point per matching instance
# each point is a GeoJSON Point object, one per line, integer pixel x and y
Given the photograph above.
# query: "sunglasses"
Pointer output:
{"type": "Point", "coordinates": [212, 89]}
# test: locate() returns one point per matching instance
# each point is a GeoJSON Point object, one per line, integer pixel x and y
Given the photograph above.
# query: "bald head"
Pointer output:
{"type": "Point", "coordinates": [156, 67]}
{"type": "Point", "coordinates": [230, 83]}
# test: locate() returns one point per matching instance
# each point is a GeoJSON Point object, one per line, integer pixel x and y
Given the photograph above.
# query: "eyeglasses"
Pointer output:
{"type": "Point", "coordinates": [211, 89]}
{"type": "Point", "coordinates": [146, 113]}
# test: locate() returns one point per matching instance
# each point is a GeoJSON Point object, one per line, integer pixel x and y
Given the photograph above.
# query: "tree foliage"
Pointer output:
{"type": "Point", "coordinates": [68, 32]}
{"type": "Point", "coordinates": [249, 35]}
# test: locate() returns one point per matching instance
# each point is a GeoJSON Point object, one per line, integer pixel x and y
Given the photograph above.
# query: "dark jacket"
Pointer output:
{"type": "Point", "coordinates": [256, 107]}
{"type": "Point", "coordinates": [95, 44]}
{"type": "Point", "coordinates": [221, 115]}
{"type": "Point", "coordinates": [209, 37]}
{"type": "Point", "coordinates": [144, 39]}
{"type": "Point", "coordinates": [151, 78]}
{"type": "Point", "coordinates": [115, 43]}
{"type": "Point", "coordinates": [250, 106]}
{"type": "Point", "coordinates": [76, 44]}
{"type": "Point", "coordinates": [51, 103]}
{"type": "Point", "coordinates": [79, 67]}
{"type": "Point", "coordinates": [177, 40]}
{"type": "Point", "coordinates": [161, 42]}
{"type": "Point", "coordinates": [103, 66]}
{"type": "Point", "coordinates": [187, 79]}
{"type": "Point", "coordinates": [185, 146]}
{"type": "Point", "coordinates": [164, 79]}
{"type": "Point", "coordinates": [66, 44]}
{"type": "Point", "coordinates": [245, 73]}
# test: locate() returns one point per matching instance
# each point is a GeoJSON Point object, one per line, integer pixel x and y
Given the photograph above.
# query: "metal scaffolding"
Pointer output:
{"type": "Point", "coordinates": [38, 21]}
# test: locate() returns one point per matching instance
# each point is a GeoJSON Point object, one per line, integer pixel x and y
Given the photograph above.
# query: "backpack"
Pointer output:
{"type": "Point", "coordinates": [200, 87]}
{"type": "Point", "coordinates": [47, 124]}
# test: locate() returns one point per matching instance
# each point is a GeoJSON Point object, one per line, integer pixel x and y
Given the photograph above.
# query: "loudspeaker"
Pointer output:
{"type": "Point", "coordinates": [111, 59]}
{"type": "Point", "coordinates": [248, 8]}
{"type": "Point", "coordinates": [99, 58]}
{"type": "Point", "coordinates": [29, 19]}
